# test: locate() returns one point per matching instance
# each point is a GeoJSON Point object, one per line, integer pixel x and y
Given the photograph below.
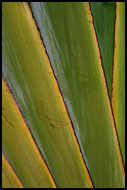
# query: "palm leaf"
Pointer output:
{"type": "Point", "coordinates": [118, 94]}
{"type": "Point", "coordinates": [9, 178]}
{"type": "Point", "coordinates": [52, 64]}
{"type": "Point", "coordinates": [105, 13]}
{"type": "Point", "coordinates": [19, 146]}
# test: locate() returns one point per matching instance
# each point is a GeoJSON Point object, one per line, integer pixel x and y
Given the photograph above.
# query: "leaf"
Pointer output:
{"type": "Point", "coordinates": [18, 145]}
{"type": "Point", "coordinates": [118, 93]}
{"type": "Point", "coordinates": [104, 21]}
{"type": "Point", "coordinates": [9, 178]}
{"type": "Point", "coordinates": [53, 67]}
{"type": "Point", "coordinates": [70, 41]}
{"type": "Point", "coordinates": [28, 72]}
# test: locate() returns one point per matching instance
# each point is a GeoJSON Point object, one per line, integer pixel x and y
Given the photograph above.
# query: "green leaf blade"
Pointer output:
{"type": "Point", "coordinates": [118, 92]}
{"type": "Point", "coordinates": [27, 70]}
{"type": "Point", "coordinates": [18, 145]}
{"type": "Point", "coordinates": [104, 21]}
{"type": "Point", "coordinates": [75, 59]}
{"type": "Point", "coordinates": [9, 178]}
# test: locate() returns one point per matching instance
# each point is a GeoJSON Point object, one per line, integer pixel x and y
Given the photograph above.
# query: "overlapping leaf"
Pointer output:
{"type": "Point", "coordinates": [27, 69]}
{"type": "Point", "coordinates": [118, 93]}
{"type": "Point", "coordinates": [67, 72]}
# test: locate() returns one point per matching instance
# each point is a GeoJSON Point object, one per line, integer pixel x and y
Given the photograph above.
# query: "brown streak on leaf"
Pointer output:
{"type": "Point", "coordinates": [8, 121]}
